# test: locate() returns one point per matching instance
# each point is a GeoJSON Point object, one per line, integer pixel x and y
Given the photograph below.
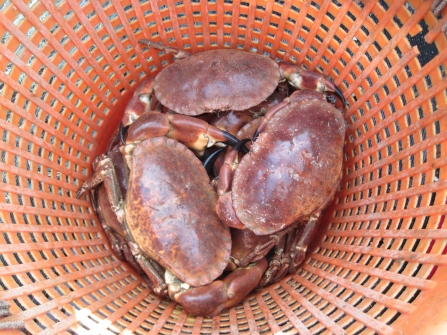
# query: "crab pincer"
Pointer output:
{"type": "Point", "coordinates": [210, 299]}
{"type": "Point", "coordinates": [308, 80]}
{"type": "Point", "coordinates": [196, 134]}
{"type": "Point", "coordinates": [141, 102]}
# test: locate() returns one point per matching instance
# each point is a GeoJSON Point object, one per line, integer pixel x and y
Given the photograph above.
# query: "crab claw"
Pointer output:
{"type": "Point", "coordinates": [140, 102]}
{"type": "Point", "coordinates": [210, 299]}
{"type": "Point", "coordinates": [224, 206]}
{"type": "Point", "coordinates": [308, 80]}
{"type": "Point", "coordinates": [196, 134]}
{"type": "Point", "coordinates": [122, 132]}
{"type": "Point", "coordinates": [209, 160]}
{"type": "Point", "coordinates": [101, 165]}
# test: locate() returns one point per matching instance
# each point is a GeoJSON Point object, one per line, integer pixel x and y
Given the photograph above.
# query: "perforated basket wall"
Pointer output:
{"type": "Point", "coordinates": [67, 69]}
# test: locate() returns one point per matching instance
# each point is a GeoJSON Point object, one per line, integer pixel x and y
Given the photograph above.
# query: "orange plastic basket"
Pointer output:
{"type": "Point", "coordinates": [67, 69]}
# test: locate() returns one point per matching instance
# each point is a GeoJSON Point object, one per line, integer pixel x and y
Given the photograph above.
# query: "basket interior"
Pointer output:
{"type": "Point", "coordinates": [67, 69]}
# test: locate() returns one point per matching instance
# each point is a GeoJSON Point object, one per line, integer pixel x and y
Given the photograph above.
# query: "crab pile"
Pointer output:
{"type": "Point", "coordinates": [208, 207]}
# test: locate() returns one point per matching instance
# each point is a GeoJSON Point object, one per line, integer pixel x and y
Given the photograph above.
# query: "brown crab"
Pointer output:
{"type": "Point", "coordinates": [169, 211]}
{"type": "Point", "coordinates": [197, 135]}
{"type": "Point", "coordinates": [289, 249]}
{"type": "Point", "coordinates": [218, 80]}
{"type": "Point", "coordinates": [291, 173]}
{"type": "Point", "coordinates": [110, 168]}
{"type": "Point", "coordinates": [159, 225]}
{"type": "Point", "coordinates": [161, 220]}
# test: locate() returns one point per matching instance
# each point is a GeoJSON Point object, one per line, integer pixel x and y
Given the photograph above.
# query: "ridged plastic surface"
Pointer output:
{"type": "Point", "coordinates": [68, 67]}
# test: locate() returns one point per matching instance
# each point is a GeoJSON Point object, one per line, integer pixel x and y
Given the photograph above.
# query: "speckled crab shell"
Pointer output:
{"type": "Point", "coordinates": [293, 167]}
{"type": "Point", "coordinates": [217, 80]}
{"type": "Point", "coordinates": [170, 211]}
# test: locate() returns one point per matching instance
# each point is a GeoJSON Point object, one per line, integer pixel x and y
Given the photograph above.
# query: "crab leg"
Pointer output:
{"type": "Point", "coordinates": [283, 90]}
{"type": "Point", "coordinates": [178, 54]}
{"type": "Point", "coordinates": [130, 258]}
{"type": "Point", "coordinates": [114, 140]}
{"type": "Point", "coordinates": [140, 102]}
{"type": "Point", "coordinates": [117, 243]}
{"type": "Point", "coordinates": [102, 166]}
{"type": "Point", "coordinates": [224, 206]}
{"type": "Point", "coordinates": [157, 267]}
{"type": "Point", "coordinates": [194, 133]}
{"type": "Point", "coordinates": [274, 264]}
{"type": "Point", "coordinates": [209, 160]}
{"type": "Point", "coordinates": [308, 80]}
{"type": "Point", "coordinates": [288, 257]}
{"type": "Point", "coordinates": [292, 239]}
{"type": "Point", "coordinates": [292, 249]}
{"type": "Point", "coordinates": [104, 172]}
{"type": "Point", "coordinates": [160, 287]}
{"type": "Point", "coordinates": [143, 265]}
{"type": "Point", "coordinates": [94, 198]}
{"type": "Point", "coordinates": [266, 118]}
{"type": "Point", "coordinates": [263, 249]}
{"type": "Point", "coordinates": [210, 299]}
{"type": "Point", "coordinates": [114, 242]}
{"type": "Point", "coordinates": [298, 253]}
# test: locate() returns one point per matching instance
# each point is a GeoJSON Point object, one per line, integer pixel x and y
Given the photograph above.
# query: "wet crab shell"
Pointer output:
{"type": "Point", "coordinates": [217, 80]}
{"type": "Point", "coordinates": [293, 167]}
{"type": "Point", "coordinates": [170, 212]}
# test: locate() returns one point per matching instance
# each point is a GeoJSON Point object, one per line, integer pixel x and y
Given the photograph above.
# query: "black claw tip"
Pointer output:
{"type": "Point", "coordinates": [255, 136]}
{"type": "Point", "coordinates": [122, 131]}
{"type": "Point", "coordinates": [339, 94]}
{"type": "Point", "coordinates": [233, 141]}
{"type": "Point", "coordinates": [240, 146]}
{"type": "Point", "coordinates": [209, 161]}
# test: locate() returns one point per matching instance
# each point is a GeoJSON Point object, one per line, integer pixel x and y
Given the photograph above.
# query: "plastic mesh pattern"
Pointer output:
{"type": "Point", "coordinates": [67, 69]}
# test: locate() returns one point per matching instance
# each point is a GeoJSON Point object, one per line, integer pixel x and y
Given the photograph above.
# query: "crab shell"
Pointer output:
{"type": "Point", "coordinates": [170, 212]}
{"type": "Point", "coordinates": [293, 168]}
{"type": "Point", "coordinates": [217, 80]}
